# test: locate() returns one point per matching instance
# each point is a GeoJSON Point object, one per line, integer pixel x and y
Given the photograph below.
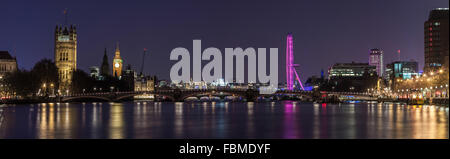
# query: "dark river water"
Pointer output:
{"type": "Point", "coordinates": [267, 120]}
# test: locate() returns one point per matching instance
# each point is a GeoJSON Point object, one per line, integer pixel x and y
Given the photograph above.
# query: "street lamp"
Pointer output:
{"type": "Point", "coordinates": [44, 90]}
{"type": "Point", "coordinates": [53, 90]}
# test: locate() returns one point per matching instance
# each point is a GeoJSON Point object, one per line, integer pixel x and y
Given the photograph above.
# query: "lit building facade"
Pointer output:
{"type": "Point", "coordinates": [351, 70]}
{"type": "Point", "coordinates": [117, 63]}
{"type": "Point", "coordinates": [353, 77]}
{"type": "Point", "coordinates": [94, 72]}
{"type": "Point", "coordinates": [8, 63]}
{"type": "Point", "coordinates": [436, 40]}
{"type": "Point", "coordinates": [144, 83]}
{"type": "Point", "coordinates": [402, 69]}
{"type": "Point", "coordinates": [376, 59]}
{"type": "Point", "coordinates": [65, 54]}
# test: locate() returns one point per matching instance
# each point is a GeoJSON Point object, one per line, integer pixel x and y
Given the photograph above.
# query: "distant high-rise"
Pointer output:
{"type": "Point", "coordinates": [436, 39]}
{"type": "Point", "coordinates": [65, 53]}
{"type": "Point", "coordinates": [104, 71]}
{"type": "Point", "coordinates": [376, 59]}
{"type": "Point", "coordinates": [117, 63]}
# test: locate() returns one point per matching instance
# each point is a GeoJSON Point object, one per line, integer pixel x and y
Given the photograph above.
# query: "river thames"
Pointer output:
{"type": "Point", "coordinates": [223, 120]}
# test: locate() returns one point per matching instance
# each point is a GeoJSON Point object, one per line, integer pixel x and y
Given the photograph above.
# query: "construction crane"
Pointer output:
{"type": "Point", "coordinates": [143, 61]}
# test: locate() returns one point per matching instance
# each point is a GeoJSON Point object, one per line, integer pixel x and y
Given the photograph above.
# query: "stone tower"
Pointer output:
{"type": "Point", "coordinates": [65, 54]}
{"type": "Point", "coordinates": [117, 63]}
{"type": "Point", "coordinates": [104, 70]}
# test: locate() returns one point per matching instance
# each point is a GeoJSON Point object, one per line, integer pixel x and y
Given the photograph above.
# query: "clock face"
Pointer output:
{"type": "Point", "coordinates": [116, 65]}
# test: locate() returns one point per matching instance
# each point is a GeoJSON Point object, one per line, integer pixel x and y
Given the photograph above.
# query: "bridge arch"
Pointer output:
{"type": "Point", "coordinates": [135, 94]}
{"type": "Point", "coordinates": [67, 99]}
{"type": "Point", "coordinates": [212, 94]}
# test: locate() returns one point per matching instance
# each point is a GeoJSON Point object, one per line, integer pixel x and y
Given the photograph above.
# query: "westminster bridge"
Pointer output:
{"type": "Point", "coordinates": [245, 94]}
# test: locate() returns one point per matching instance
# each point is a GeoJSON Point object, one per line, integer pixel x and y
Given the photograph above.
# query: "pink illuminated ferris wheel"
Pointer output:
{"type": "Point", "coordinates": [290, 66]}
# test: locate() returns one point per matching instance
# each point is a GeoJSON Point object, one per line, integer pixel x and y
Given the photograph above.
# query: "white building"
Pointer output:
{"type": "Point", "coordinates": [7, 63]}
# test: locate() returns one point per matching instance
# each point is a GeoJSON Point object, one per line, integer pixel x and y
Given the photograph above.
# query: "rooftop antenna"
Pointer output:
{"type": "Point", "coordinates": [65, 16]}
{"type": "Point", "coordinates": [398, 51]}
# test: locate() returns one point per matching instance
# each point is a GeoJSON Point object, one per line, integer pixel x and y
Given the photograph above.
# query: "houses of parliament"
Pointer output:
{"type": "Point", "coordinates": [65, 56]}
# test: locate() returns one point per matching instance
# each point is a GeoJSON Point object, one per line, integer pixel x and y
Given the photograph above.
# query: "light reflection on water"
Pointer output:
{"type": "Point", "coordinates": [288, 119]}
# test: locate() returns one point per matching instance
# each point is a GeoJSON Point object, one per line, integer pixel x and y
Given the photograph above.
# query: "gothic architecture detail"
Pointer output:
{"type": "Point", "coordinates": [117, 63]}
{"type": "Point", "coordinates": [105, 66]}
{"type": "Point", "coordinates": [65, 54]}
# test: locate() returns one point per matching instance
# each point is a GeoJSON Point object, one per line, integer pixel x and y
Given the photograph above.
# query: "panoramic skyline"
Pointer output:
{"type": "Point", "coordinates": [325, 32]}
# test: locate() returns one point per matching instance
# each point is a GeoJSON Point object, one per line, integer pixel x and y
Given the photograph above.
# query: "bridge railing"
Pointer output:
{"type": "Point", "coordinates": [208, 90]}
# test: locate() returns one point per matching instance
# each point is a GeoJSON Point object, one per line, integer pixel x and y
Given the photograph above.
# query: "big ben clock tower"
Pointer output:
{"type": "Point", "coordinates": [117, 63]}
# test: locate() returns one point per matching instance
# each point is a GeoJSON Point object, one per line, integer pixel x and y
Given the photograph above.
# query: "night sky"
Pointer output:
{"type": "Point", "coordinates": [325, 31]}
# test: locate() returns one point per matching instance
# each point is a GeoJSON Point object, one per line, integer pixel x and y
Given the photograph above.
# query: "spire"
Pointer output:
{"type": "Point", "coordinates": [105, 66]}
{"type": "Point", "coordinates": [105, 57]}
{"type": "Point", "coordinates": [117, 50]}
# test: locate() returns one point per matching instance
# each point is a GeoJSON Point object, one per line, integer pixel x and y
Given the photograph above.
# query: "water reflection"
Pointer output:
{"type": "Point", "coordinates": [116, 122]}
{"type": "Point", "coordinates": [287, 119]}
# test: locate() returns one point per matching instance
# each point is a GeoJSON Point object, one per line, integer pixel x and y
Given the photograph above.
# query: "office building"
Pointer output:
{"type": "Point", "coordinates": [351, 70]}
{"type": "Point", "coordinates": [376, 59]}
{"type": "Point", "coordinates": [436, 40]}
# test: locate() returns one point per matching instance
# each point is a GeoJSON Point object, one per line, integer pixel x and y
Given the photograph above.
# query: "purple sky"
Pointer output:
{"type": "Point", "coordinates": [325, 31]}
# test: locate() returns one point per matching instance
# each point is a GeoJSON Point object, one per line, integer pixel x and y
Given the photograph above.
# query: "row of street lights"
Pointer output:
{"type": "Point", "coordinates": [424, 77]}
{"type": "Point", "coordinates": [44, 90]}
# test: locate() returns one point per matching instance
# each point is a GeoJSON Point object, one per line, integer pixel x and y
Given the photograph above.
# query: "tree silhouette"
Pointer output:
{"type": "Point", "coordinates": [27, 83]}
